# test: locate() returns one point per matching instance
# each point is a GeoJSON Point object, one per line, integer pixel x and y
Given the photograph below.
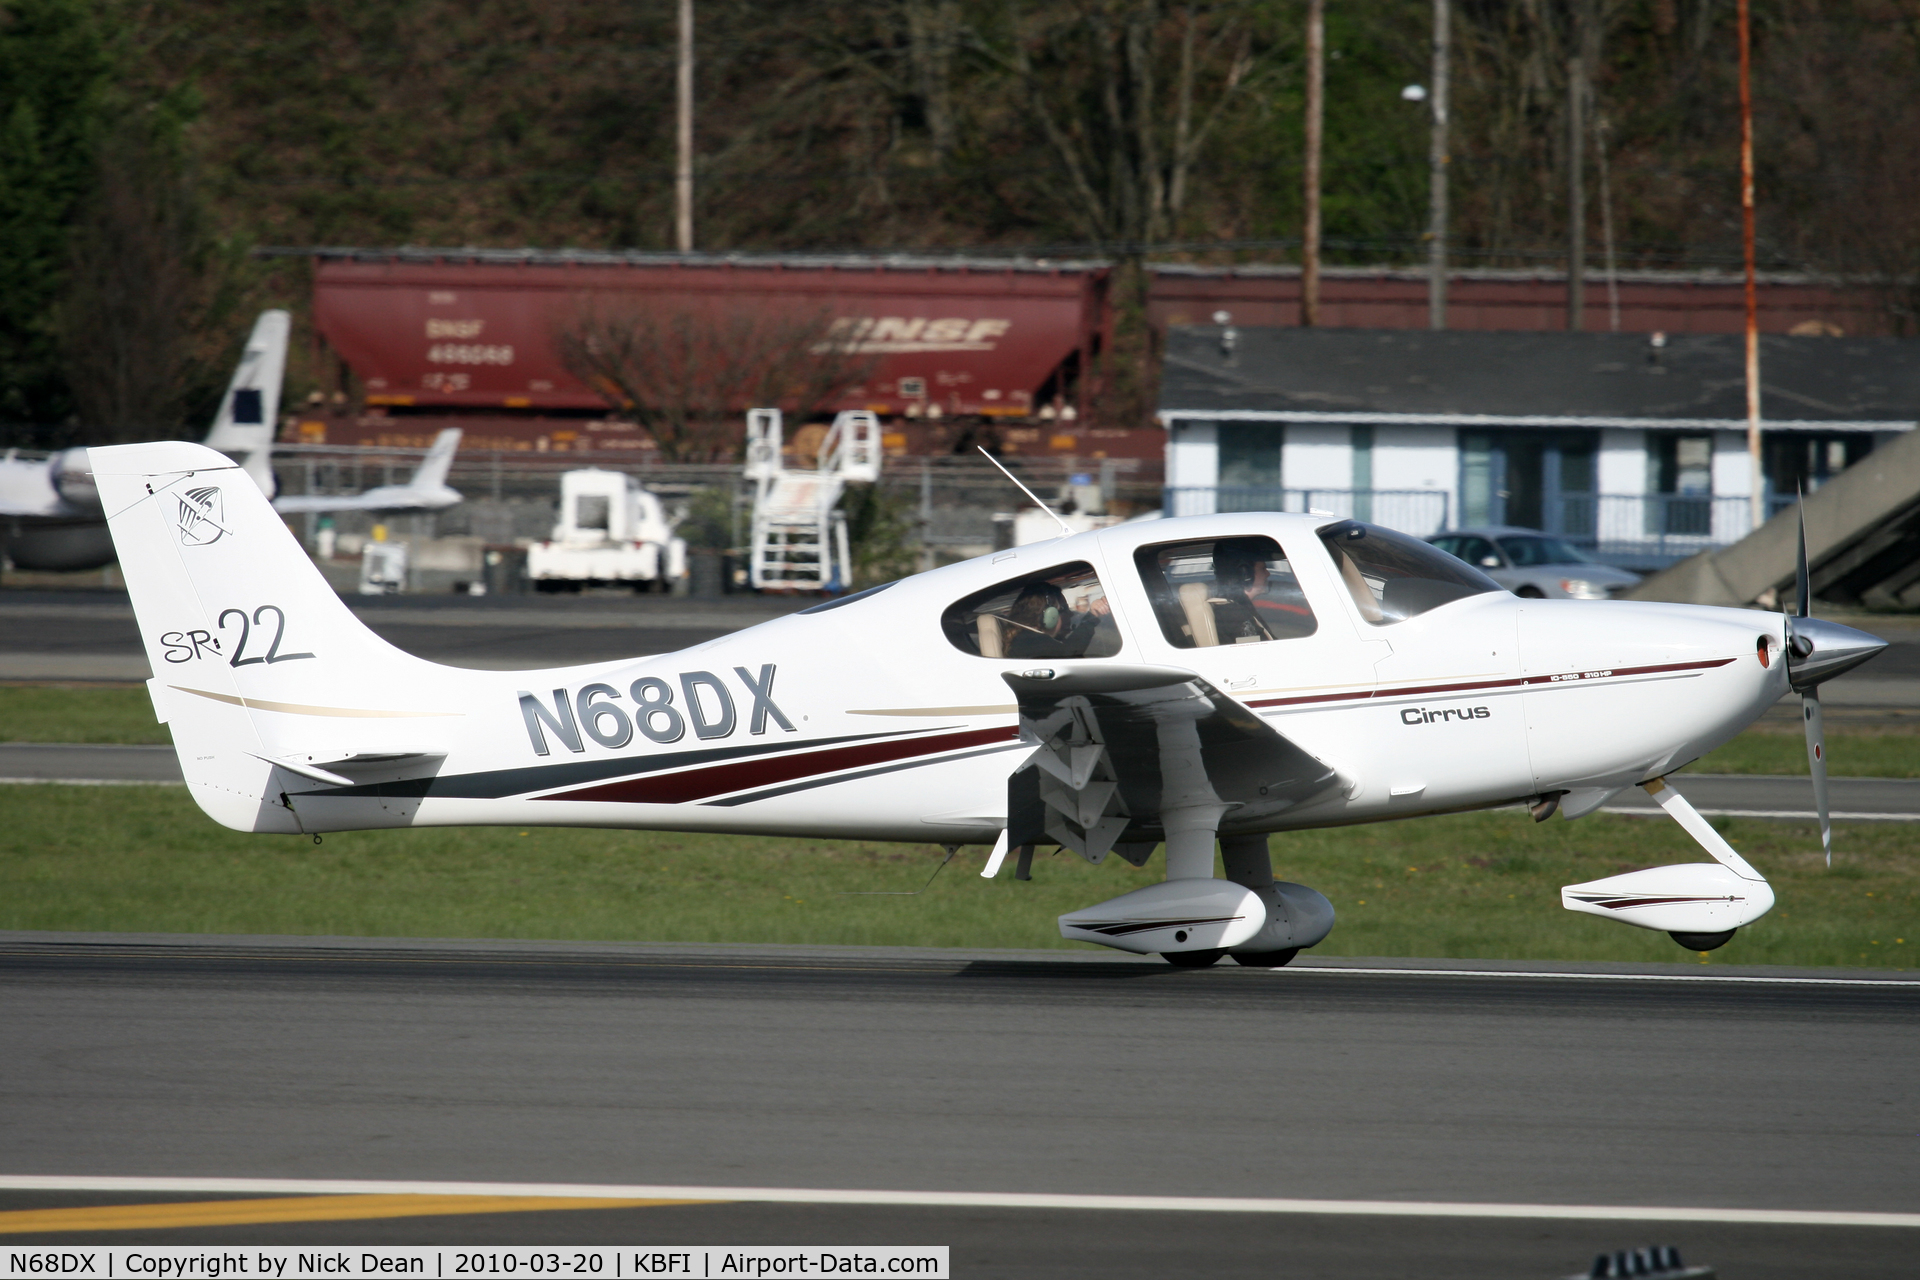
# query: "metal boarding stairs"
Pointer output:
{"type": "Point", "coordinates": [799, 531]}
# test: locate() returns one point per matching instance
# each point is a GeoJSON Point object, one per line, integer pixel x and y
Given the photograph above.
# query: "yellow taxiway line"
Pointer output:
{"type": "Point", "coordinates": [341, 1208]}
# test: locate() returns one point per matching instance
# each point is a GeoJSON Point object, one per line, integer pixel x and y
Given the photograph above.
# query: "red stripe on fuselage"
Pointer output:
{"type": "Point", "coordinates": [744, 775]}
{"type": "Point", "coordinates": [1564, 680]}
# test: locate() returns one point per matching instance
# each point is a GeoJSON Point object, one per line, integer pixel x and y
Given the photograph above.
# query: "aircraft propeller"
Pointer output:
{"type": "Point", "coordinates": [1817, 652]}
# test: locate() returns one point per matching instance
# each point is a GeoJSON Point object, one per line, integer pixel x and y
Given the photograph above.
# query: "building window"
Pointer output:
{"type": "Point", "coordinates": [1796, 461]}
{"type": "Point", "coordinates": [1224, 591]}
{"type": "Point", "coordinates": [1536, 479]}
{"type": "Point", "coordinates": [1681, 481]}
{"type": "Point", "coordinates": [1363, 473]}
{"type": "Point", "coordinates": [1060, 612]}
{"type": "Point", "coordinates": [1249, 461]}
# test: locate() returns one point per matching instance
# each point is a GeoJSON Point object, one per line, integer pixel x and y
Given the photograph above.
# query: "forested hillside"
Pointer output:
{"type": "Point", "coordinates": [151, 144]}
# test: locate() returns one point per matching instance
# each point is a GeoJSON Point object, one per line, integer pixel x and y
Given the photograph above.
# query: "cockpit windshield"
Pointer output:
{"type": "Point", "coordinates": [1393, 577]}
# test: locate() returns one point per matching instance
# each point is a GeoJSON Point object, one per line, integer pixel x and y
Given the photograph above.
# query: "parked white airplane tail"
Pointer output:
{"type": "Point", "coordinates": [243, 429]}
{"type": "Point", "coordinates": [426, 491]}
{"type": "Point", "coordinates": [267, 680]}
{"type": "Point", "coordinates": [432, 473]}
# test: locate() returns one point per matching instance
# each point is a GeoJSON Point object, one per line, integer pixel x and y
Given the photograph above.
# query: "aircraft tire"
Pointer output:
{"type": "Point", "coordinates": [1703, 941]}
{"type": "Point", "coordinates": [1193, 959]}
{"type": "Point", "coordinates": [1265, 959]}
{"type": "Point", "coordinates": [1530, 593]}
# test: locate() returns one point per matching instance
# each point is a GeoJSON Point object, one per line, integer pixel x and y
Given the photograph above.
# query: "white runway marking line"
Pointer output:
{"type": "Point", "coordinates": [93, 782]}
{"type": "Point", "coordinates": [970, 1200]}
{"type": "Point", "coordinates": [1807, 815]}
{"type": "Point", "coordinates": [1594, 977]}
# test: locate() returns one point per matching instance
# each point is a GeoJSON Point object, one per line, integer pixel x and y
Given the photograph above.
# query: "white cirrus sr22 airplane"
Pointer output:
{"type": "Point", "coordinates": [1179, 682]}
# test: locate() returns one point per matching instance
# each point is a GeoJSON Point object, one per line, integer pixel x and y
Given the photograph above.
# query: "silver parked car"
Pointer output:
{"type": "Point", "coordinates": [1533, 564]}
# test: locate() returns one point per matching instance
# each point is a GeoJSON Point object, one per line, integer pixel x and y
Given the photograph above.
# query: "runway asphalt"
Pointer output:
{"type": "Point", "coordinates": [1678, 1087]}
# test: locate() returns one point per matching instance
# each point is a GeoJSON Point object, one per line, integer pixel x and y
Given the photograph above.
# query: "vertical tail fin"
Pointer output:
{"type": "Point", "coordinates": [258, 665]}
{"type": "Point", "coordinates": [243, 429]}
{"type": "Point", "coordinates": [432, 472]}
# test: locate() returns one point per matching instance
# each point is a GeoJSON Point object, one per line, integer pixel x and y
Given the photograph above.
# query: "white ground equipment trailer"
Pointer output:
{"type": "Point", "coordinates": [799, 532]}
{"type": "Point", "coordinates": [610, 530]}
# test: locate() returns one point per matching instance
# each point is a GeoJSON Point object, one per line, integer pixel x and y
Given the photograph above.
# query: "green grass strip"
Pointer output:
{"type": "Point", "coordinates": [1469, 886]}
{"type": "Point", "coordinates": [62, 713]}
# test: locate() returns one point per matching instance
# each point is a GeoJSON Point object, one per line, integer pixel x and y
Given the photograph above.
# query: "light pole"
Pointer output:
{"type": "Point", "coordinates": [683, 167]}
{"type": "Point", "coordinates": [1437, 180]}
{"type": "Point", "coordinates": [1758, 501]}
{"type": "Point", "coordinates": [1316, 111]}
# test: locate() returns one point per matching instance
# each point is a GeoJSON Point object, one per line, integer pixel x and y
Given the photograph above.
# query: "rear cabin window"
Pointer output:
{"type": "Point", "coordinates": [1060, 612]}
{"type": "Point", "coordinates": [1224, 591]}
{"type": "Point", "coordinates": [1393, 577]}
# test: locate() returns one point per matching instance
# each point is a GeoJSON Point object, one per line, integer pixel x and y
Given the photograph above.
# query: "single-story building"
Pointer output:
{"type": "Point", "coordinates": [1633, 445]}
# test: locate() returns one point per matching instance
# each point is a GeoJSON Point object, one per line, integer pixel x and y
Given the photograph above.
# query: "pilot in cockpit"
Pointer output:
{"type": "Point", "coordinates": [1043, 626]}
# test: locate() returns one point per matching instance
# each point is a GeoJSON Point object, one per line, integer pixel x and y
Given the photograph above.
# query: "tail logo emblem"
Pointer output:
{"type": "Point", "coordinates": [200, 517]}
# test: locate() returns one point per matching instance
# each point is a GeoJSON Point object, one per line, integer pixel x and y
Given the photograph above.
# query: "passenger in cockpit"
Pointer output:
{"type": "Point", "coordinates": [1239, 575]}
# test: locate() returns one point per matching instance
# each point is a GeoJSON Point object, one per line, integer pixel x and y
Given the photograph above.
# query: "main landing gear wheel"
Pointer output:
{"type": "Point", "coordinates": [1703, 941]}
{"type": "Point", "coordinates": [1265, 959]}
{"type": "Point", "coordinates": [1193, 959]}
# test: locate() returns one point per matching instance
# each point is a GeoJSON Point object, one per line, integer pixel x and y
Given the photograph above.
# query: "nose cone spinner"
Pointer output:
{"type": "Point", "coordinates": [1818, 651]}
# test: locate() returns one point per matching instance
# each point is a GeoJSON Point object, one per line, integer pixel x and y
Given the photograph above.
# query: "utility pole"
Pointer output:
{"type": "Point", "coordinates": [1576, 193]}
{"type": "Point", "coordinates": [1437, 176]}
{"type": "Point", "coordinates": [683, 169]}
{"type": "Point", "coordinates": [1316, 112]}
{"type": "Point", "coordinates": [1759, 497]}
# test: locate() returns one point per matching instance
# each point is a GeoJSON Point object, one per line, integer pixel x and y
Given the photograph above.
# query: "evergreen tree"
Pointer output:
{"type": "Point", "coordinates": [53, 75]}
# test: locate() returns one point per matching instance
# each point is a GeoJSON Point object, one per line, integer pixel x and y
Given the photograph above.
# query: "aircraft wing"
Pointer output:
{"type": "Point", "coordinates": [1117, 744]}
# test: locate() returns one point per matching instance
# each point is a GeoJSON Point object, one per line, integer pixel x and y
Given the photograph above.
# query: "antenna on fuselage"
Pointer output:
{"type": "Point", "coordinates": [1066, 530]}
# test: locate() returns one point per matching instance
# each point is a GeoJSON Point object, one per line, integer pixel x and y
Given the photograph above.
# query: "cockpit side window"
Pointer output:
{"type": "Point", "coordinates": [1393, 577]}
{"type": "Point", "coordinates": [1224, 591]}
{"type": "Point", "coordinates": [1060, 612]}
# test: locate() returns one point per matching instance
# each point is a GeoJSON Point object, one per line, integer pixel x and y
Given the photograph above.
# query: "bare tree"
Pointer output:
{"type": "Point", "coordinates": [933, 37]}
{"type": "Point", "coordinates": [1116, 87]}
{"type": "Point", "coordinates": [1126, 94]}
{"type": "Point", "coordinates": [1840, 107]}
{"type": "Point", "coordinates": [687, 370]}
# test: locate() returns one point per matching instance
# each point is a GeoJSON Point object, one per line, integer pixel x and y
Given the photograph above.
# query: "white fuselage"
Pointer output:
{"type": "Point", "coordinates": [897, 734]}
